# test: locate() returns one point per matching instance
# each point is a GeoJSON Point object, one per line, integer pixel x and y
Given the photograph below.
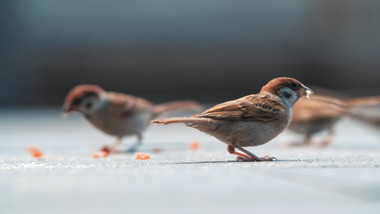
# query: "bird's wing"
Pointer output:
{"type": "Point", "coordinates": [318, 107]}
{"type": "Point", "coordinates": [255, 107]}
{"type": "Point", "coordinates": [125, 105]}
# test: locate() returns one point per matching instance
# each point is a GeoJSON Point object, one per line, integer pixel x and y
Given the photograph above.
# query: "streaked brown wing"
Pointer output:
{"type": "Point", "coordinates": [126, 105]}
{"type": "Point", "coordinates": [249, 108]}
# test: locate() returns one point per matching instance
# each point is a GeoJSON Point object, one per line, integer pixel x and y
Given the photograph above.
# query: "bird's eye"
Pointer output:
{"type": "Point", "coordinates": [88, 105]}
{"type": "Point", "coordinates": [294, 85]}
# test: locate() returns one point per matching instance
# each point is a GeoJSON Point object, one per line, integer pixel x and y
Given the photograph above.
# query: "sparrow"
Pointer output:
{"type": "Point", "coordinates": [118, 114]}
{"type": "Point", "coordinates": [321, 113]}
{"type": "Point", "coordinates": [367, 114]}
{"type": "Point", "coordinates": [252, 120]}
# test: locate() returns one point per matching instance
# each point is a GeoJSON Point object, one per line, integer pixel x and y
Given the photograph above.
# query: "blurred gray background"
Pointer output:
{"type": "Point", "coordinates": [169, 49]}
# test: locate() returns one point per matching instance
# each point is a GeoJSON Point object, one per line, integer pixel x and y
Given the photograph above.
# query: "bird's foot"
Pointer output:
{"type": "Point", "coordinates": [251, 159]}
{"type": "Point", "coordinates": [112, 147]}
{"type": "Point", "coordinates": [106, 149]}
{"type": "Point", "coordinates": [326, 142]}
{"type": "Point", "coordinates": [298, 144]}
{"type": "Point", "coordinates": [132, 149]}
{"type": "Point", "coordinates": [109, 149]}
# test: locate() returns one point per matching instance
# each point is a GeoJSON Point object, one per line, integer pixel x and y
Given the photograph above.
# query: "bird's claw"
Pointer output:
{"type": "Point", "coordinates": [264, 158]}
{"type": "Point", "coordinates": [267, 158]}
{"type": "Point", "coordinates": [131, 150]}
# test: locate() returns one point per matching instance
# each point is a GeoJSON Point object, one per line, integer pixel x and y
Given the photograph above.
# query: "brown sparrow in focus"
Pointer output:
{"type": "Point", "coordinates": [252, 120]}
{"type": "Point", "coordinates": [322, 113]}
{"type": "Point", "coordinates": [118, 114]}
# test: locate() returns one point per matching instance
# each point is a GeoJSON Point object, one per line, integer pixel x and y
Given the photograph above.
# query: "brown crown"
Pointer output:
{"type": "Point", "coordinates": [276, 84]}
{"type": "Point", "coordinates": [82, 91]}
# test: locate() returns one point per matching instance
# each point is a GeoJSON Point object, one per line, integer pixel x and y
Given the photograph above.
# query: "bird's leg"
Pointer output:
{"type": "Point", "coordinates": [252, 157]}
{"type": "Point", "coordinates": [308, 139]}
{"type": "Point", "coordinates": [112, 147]}
{"type": "Point", "coordinates": [326, 142]}
{"type": "Point", "coordinates": [134, 147]}
{"type": "Point", "coordinates": [231, 150]}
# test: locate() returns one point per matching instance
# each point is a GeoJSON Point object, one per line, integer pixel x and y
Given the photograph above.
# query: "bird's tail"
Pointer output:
{"type": "Point", "coordinates": [177, 105]}
{"type": "Point", "coordinates": [165, 121]}
{"type": "Point", "coordinates": [366, 109]}
{"type": "Point", "coordinates": [189, 121]}
{"type": "Point", "coordinates": [364, 101]}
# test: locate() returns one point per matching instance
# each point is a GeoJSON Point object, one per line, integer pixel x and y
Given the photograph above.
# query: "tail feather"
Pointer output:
{"type": "Point", "coordinates": [364, 101]}
{"type": "Point", "coordinates": [366, 109]}
{"type": "Point", "coordinates": [185, 120]}
{"type": "Point", "coordinates": [176, 105]}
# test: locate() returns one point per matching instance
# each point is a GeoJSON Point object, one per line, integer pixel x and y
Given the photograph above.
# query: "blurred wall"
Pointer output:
{"type": "Point", "coordinates": [167, 49]}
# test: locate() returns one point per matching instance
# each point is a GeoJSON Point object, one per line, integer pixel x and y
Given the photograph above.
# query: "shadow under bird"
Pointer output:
{"type": "Point", "coordinates": [118, 114]}
{"type": "Point", "coordinates": [321, 113]}
{"type": "Point", "coordinates": [252, 120]}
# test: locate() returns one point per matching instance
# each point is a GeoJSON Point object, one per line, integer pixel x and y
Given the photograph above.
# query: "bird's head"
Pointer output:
{"type": "Point", "coordinates": [82, 98]}
{"type": "Point", "coordinates": [288, 89]}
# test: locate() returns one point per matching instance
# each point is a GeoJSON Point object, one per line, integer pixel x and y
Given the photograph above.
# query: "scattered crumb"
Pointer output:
{"type": "Point", "coordinates": [100, 154]}
{"type": "Point", "coordinates": [157, 150]}
{"type": "Point", "coordinates": [194, 145]}
{"type": "Point", "coordinates": [35, 151]}
{"type": "Point", "coordinates": [142, 156]}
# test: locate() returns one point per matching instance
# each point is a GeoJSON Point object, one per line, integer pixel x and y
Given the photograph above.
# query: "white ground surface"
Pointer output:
{"type": "Point", "coordinates": [344, 178]}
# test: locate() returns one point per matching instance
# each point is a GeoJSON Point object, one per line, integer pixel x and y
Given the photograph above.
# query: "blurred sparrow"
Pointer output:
{"type": "Point", "coordinates": [252, 120]}
{"type": "Point", "coordinates": [118, 114]}
{"type": "Point", "coordinates": [321, 113]}
{"type": "Point", "coordinates": [368, 114]}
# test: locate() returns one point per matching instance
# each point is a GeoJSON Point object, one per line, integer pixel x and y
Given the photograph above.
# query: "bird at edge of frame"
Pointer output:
{"type": "Point", "coordinates": [118, 114]}
{"type": "Point", "coordinates": [322, 113]}
{"type": "Point", "coordinates": [252, 120]}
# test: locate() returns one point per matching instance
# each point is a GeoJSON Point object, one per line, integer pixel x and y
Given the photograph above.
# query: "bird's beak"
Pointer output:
{"type": "Point", "coordinates": [306, 91]}
{"type": "Point", "coordinates": [66, 110]}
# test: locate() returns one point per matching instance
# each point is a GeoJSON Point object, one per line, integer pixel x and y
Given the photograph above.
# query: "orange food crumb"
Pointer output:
{"type": "Point", "coordinates": [142, 156]}
{"type": "Point", "coordinates": [35, 151]}
{"type": "Point", "coordinates": [100, 154]}
{"type": "Point", "coordinates": [194, 145]}
{"type": "Point", "coordinates": [157, 150]}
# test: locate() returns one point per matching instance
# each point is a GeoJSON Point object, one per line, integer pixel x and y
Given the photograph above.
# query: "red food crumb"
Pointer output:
{"type": "Point", "coordinates": [100, 154]}
{"type": "Point", "coordinates": [35, 151]}
{"type": "Point", "coordinates": [194, 145]}
{"type": "Point", "coordinates": [142, 156]}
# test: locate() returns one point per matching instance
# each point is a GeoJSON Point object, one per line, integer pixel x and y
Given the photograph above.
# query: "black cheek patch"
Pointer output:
{"type": "Point", "coordinates": [287, 95]}
{"type": "Point", "coordinates": [88, 105]}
